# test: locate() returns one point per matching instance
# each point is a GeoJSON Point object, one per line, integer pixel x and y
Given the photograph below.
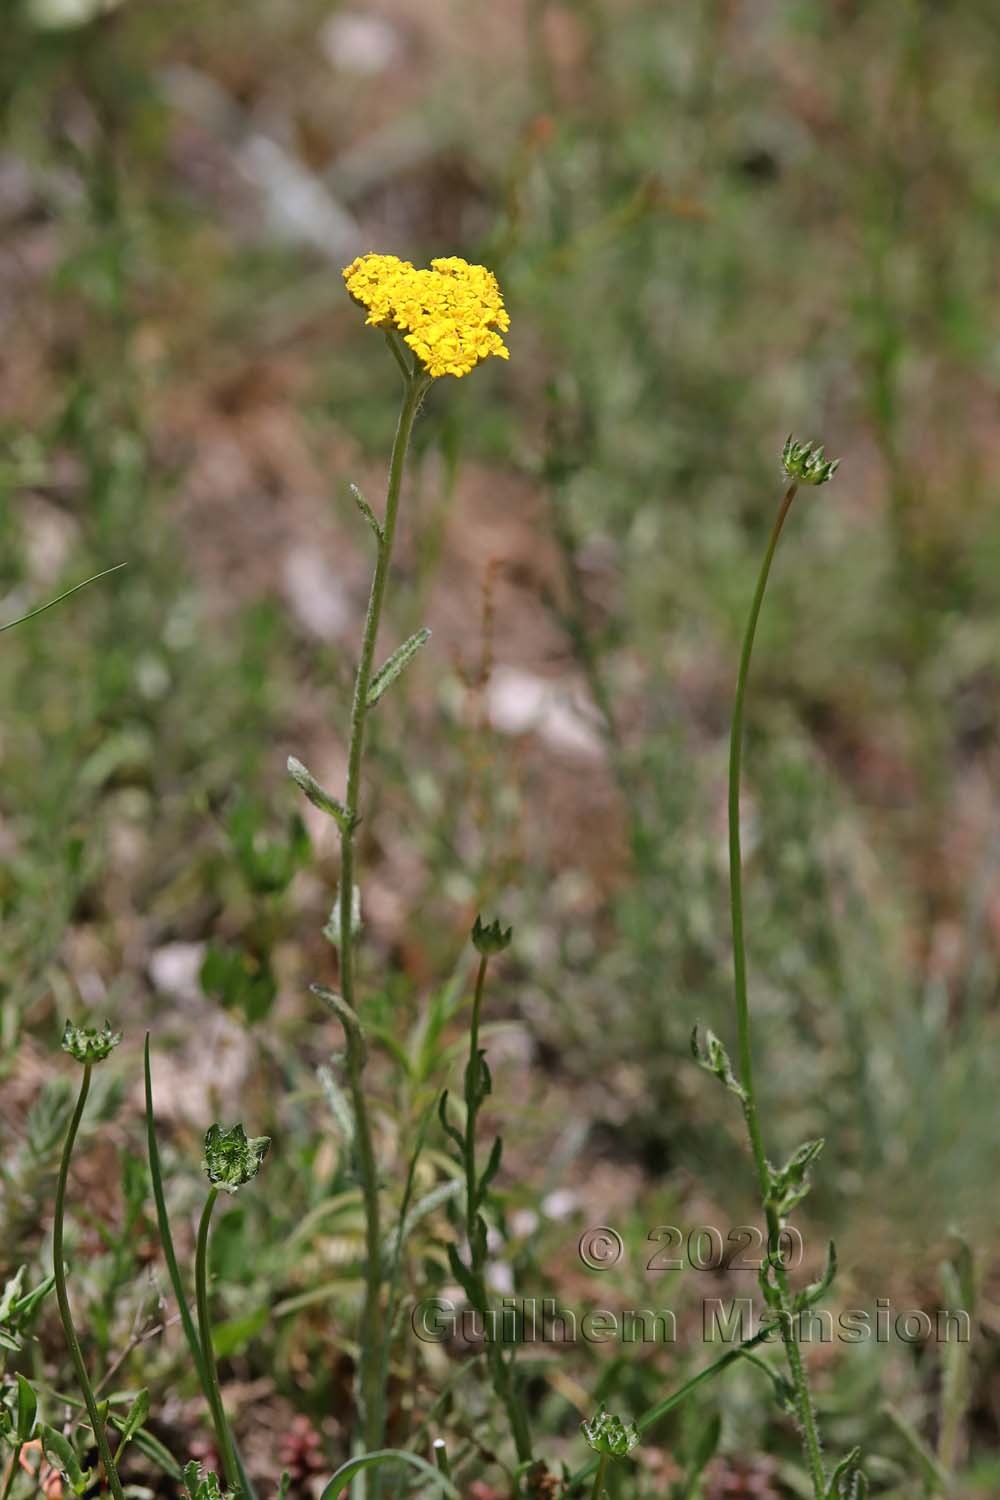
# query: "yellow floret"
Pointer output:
{"type": "Point", "coordinates": [449, 315]}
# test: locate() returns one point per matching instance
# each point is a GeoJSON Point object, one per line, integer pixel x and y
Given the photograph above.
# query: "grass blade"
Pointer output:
{"type": "Point", "coordinates": [354, 1466]}
{"type": "Point", "coordinates": [60, 597]}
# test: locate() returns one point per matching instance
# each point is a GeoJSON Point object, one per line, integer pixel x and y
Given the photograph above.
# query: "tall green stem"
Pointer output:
{"type": "Point", "coordinates": [735, 855]}
{"type": "Point", "coordinates": [372, 1406]}
{"type": "Point", "coordinates": [500, 1368]}
{"type": "Point", "coordinates": [602, 1469]}
{"type": "Point", "coordinates": [223, 1436]}
{"type": "Point", "coordinates": [803, 1398]}
{"type": "Point", "coordinates": [62, 1295]}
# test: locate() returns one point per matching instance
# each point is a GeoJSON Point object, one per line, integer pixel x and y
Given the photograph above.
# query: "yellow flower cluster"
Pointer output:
{"type": "Point", "coordinates": [449, 315]}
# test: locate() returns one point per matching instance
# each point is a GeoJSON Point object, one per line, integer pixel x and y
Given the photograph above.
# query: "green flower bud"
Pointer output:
{"type": "Point", "coordinates": [490, 938]}
{"type": "Point", "coordinates": [232, 1157]}
{"type": "Point", "coordinates": [608, 1434]}
{"type": "Point", "coordinates": [87, 1044]}
{"type": "Point", "coordinates": [804, 462]}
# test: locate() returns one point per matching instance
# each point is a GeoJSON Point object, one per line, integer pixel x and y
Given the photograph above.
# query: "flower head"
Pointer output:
{"type": "Point", "coordinates": [451, 315]}
{"type": "Point", "coordinates": [608, 1434]}
{"type": "Point", "coordinates": [805, 463]}
{"type": "Point", "coordinates": [490, 937]}
{"type": "Point", "coordinates": [232, 1157]}
{"type": "Point", "coordinates": [87, 1044]}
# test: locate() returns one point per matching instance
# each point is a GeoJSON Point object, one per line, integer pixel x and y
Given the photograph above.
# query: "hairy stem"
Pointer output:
{"type": "Point", "coordinates": [223, 1437]}
{"type": "Point", "coordinates": [372, 1405]}
{"type": "Point", "coordinates": [803, 1399]}
{"type": "Point", "coordinates": [62, 1295]}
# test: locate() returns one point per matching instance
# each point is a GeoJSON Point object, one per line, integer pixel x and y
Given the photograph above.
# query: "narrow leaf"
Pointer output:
{"type": "Point", "coordinates": [714, 1058]}
{"type": "Point", "coordinates": [40, 610]}
{"type": "Point", "coordinates": [10, 1297]}
{"type": "Point", "coordinates": [27, 1407]}
{"type": "Point", "coordinates": [485, 1077]}
{"type": "Point", "coordinates": [449, 1128]}
{"type": "Point", "coordinates": [463, 1276]}
{"type": "Point", "coordinates": [318, 796]}
{"type": "Point", "coordinates": [27, 1304]}
{"type": "Point", "coordinates": [843, 1471]}
{"type": "Point", "coordinates": [136, 1415]}
{"type": "Point", "coordinates": [368, 514]}
{"type": "Point", "coordinates": [480, 1243]}
{"type": "Point", "coordinates": [441, 1483]}
{"type": "Point", "coordinates": [346, 1015]}
{"type": "Point", "coordinates": [770, 1292]}
{"type": "Point", "coordinates": [490, 1170]}
{"type": "Point", "coordinates": [790, 1184]}
{"type": "Point", "coordinates": [61, 1456]}
{"type": "Point", "coordinates": [400, 658]}
{"type": "Point", "coordinates": [818, 1289]}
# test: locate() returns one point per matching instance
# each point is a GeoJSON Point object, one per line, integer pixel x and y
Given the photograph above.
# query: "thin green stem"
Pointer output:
{"type": "Point", "coordinates": [12, 1470]}
{"type": "Point", "coordinates": [213, 1392]}
{"type": "Point", "coordinates": [372, 1405]}
{"type": "Point", "coordinates": [500, 1368]}
{"type": "Point", "coordinates": [60, 597]}
{"type": "Point", "coordinates": [735, 855]}
{"type": "Point", "coordinates": [163, 1220]}
{"type": "Point", "coordinates": [170, 1256]}
{"type": "Point", "coordinates": [602, 1469]}
{"type": "Point", "coordinates": [808, 1427]}
{"type": "Point", "coordinates": [803, 1399]}
{"type": "Point", "coordinates": [397, 1253]}
{"type": "Point", "coordinates": [62, 1295]}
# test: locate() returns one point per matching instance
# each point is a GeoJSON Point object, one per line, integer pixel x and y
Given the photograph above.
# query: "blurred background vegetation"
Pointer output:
{"type": "Point", "coordinates": [713, 223]}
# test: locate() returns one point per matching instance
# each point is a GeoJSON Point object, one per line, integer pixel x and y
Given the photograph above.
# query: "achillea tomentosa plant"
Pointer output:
{"type": "Point", "coordinates": [231, 1160]}
{"type": "Point", "coordinates": [440, 321]}
{"type": "Point", "coordinates": [87, 1047]}
{"type": "Point", "coordinates": [781, 1189]}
